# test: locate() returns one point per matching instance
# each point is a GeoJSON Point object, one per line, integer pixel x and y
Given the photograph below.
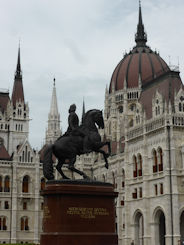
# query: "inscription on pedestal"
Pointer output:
{"type": "Point", "coordinates": [46, 213]}
{"type": "Point", "coordinates": [87, 213]}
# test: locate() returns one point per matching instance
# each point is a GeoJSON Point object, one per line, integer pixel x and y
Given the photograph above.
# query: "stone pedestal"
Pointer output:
{"type": "Point", "coordinates": [79, 213]}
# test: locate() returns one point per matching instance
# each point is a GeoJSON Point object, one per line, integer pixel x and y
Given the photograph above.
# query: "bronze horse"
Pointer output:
{"type": "Point", "coordinates": [69, 146]}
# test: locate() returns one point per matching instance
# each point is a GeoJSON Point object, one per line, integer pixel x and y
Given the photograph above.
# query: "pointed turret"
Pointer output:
{"type": "Point", "coordinates": [18, 91]}
{"type": "Point", "coordinates": [53, 106]}
{"type": "Point", "coordinates": [19, 111]}
{"type": "Point", "coordinates": [53, 131]}
{"type": "Point", "coordinates": [18, 72]}
{"type": "Point", "coordinates": [140, 36]}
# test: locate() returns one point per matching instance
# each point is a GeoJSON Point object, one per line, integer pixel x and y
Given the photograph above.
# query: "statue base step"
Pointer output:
{"type": "Point", "coordinates": [79, 213]}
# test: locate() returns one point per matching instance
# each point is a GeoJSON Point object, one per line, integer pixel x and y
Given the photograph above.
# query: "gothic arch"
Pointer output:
{"type": "Point", "coordinates": [138, 221]}
{"type": "Point", "coordinates": [155, 212]}
{"type": "Point", "coordinates": [159, 221]}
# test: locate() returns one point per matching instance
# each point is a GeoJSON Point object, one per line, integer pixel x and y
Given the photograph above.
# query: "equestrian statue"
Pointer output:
{"type": "Point", "coordinates": [77, 140]}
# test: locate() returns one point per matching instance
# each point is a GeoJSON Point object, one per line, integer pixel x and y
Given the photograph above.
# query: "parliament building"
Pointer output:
{"type": "Point", "coordinates": [144, 121]}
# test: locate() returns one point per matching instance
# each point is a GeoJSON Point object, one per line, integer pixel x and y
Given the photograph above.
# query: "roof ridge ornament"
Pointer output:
{"type": "Point", "coordinates": [140, 36]}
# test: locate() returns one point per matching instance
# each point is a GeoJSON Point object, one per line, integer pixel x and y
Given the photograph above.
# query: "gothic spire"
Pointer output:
{"type": "Point", "coordinates": [18, 72]}
{"type": "Point", "coordinates": [53, 130]}
{"type": "Point", "coordinates": [18, 91]}
{"type": "Point", "coordinates": [140, 36]}
{"type": "Point", "coordinates": [54, 107]}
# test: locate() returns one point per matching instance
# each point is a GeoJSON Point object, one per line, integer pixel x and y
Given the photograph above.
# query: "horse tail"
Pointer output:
{"type": "Point", "coordinates": [48, 163]}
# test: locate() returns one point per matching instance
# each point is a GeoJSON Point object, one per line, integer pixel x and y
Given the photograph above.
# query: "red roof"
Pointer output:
{"type": "Point", "coordinates": [18, 91]}
{"type": "Point", "coordinates": [4, 99]}
{"type": "Point", "coordinates": [140, 61]}
{"type": "Point", "coordinates": [4, 153]}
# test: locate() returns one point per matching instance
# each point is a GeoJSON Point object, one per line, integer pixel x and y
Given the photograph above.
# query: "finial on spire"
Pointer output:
{"type": "Point", "coordinates": [140, 36]}
{"type": "Point", "coordinates": [54, 81]}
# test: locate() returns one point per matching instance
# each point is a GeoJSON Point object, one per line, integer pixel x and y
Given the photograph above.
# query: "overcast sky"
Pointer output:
{"type": "Point", "coordinates": [79, 42]}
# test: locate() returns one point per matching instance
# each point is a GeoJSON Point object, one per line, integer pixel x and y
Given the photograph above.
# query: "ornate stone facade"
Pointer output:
{"type": "Point", "coordinates": [144, 120]}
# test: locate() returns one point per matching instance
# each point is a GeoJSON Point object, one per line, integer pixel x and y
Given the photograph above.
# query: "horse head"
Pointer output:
{"type": "Point", "coordinates": [93, 117]}
{"type": "Point", "coordinates": [98, 118]}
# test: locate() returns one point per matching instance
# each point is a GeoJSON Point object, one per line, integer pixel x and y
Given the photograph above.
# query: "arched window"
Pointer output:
{"type": "Point", "coordinates": [134, 166]}
{"type": "Point", "coordinates": [160, 155]}
{"type": "Point", "coordinates": [140, 165]}
{"type": "Point", "coordinates": [155, 161]}
{"type": "Point", "coordinates": [7, 184]}
{"type": "Point", "coordinates": [156, 111]}
{"type": "Point", "coordinates": [24, 225]}
{"type": "Point", "coordinates": [160, 228]}
{"type": "Point", "coordinates": [42, 184]}
{"type": "Point", "coordinates": [3, 223]}
{"type": "Point", "coordinates": [25, 184]}
{"type": "Point", "coordinates": [1, 184]}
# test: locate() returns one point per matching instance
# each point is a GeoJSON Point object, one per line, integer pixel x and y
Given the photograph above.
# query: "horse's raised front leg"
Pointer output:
{"type": "Point", "coordinates": [105, 155]}
{"type": "Point", "coordinates": [59, 168]}
{"type": "Point", "coordinates": [73, 169]}
{"type": "Point", "coordinates": [98, 145]}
